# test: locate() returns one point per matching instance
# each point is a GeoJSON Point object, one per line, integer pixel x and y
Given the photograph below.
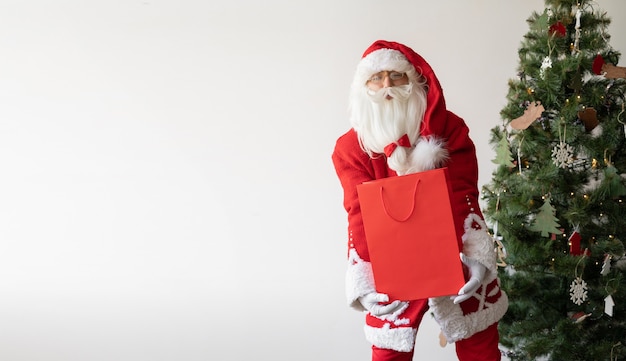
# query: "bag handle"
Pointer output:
{"type": "Point", "coordinates": [382, 200]}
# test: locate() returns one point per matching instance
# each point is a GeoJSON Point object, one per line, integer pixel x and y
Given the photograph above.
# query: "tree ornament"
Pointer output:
{"type": "Point", "coordinates": [589, 117]}
{"type": "Point", "coordinates": [578, 287]}
{"type": "Point", "coordinates": [557, 29]}
{"type": "Point", "coordinates": [606, 265]}
{"type": "Point", "coordinates": [608, 305]}
{"type": "Point", "coordinates": [562, 153]}
{"type": "Point", "coordinates": [546, 221]}
{"type": "Point", "coordinates": [532, 113]}
{"type": "Point", "coordinates": [610, 71]}
{"type": "Point", "coordinates": [613, 72]}
{"type": "Point", "coordinates": [545, 64]}
{"type": "Point", "coordinates": [598, 63]}
{"type": "Point", "coordinates": [579, 317]}
{"type": "Point", "coordinates": [519, 156]}
{"type": "Point", "coordinates": [578, 291]}
{"type": "Point", "coordinates": [574, 243]}
{"type": "Point", "coordinates": [503, 153]}
{"type": "Point", "coordinates": [575, 48]}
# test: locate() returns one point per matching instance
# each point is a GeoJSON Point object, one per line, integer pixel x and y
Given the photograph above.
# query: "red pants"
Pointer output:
{"type": "Point", "coordinates": [482, 346]}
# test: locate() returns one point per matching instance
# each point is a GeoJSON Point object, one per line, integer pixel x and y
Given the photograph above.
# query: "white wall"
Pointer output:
{"type": "Point", "coordinates": [166, 188]}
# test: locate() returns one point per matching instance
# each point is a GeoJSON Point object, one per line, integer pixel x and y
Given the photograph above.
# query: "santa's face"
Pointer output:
{"type": "Point", "coordinates": [387, 101]}
{"type": "Point", "coordinates": [385, 108]}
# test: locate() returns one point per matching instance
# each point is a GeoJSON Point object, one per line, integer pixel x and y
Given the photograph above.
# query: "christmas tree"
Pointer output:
{"type": "Point", "coordinates": [557, 208]}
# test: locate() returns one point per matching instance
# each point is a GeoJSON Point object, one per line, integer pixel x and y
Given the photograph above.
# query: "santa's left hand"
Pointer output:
{"type": "Point", "coordinates": [477, 273]}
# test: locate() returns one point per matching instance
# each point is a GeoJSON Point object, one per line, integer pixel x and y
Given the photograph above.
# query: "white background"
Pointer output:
{"type": "Point", "coordinates": [166, 187]}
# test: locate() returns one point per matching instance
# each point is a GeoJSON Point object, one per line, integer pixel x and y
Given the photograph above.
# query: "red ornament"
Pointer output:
{"type": "Point", "coordinates": [574, 244]}
{"type": "Point", "coordinates": [579, 317]}
{"type": "Point", "coordinates": [598, 63]}
{"type": "Point", "coordinates": [557, 29]}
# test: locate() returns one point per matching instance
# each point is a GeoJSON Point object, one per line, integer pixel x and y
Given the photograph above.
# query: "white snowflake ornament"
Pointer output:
{"type": "Point", "coordinates": [562, 155]}
{"type": "Point", "coordinates": [578, 291]}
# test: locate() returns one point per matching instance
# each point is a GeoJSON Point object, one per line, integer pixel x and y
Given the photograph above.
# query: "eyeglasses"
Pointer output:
{"type": "Point", "coordinates": [394, 76]}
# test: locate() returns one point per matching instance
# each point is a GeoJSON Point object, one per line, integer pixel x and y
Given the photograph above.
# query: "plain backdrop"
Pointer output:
{"type": "Point", "coordinates": [166, 187]}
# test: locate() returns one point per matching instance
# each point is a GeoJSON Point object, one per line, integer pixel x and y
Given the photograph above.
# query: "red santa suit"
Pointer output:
{"type": "Point", "coordinates": [441, 140]}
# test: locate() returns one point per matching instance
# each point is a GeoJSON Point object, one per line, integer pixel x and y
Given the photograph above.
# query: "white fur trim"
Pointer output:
{"type": "Point", "coordinates": [429, 153]}
{"type": "Point", "coordinates": [380, 60]}
{"type": "Point", "coordinates": [395, 316]}
{"type": "Point", "coordinates": [359, 279]}
{"type": "Point", "coordinates": [479, 245]}
{"type": "Point", "coordinates": [455, 326]}
{"type": "Point", "coordinates": [597, 131]}
{"type": "Point", "coordinates": [399, 339]}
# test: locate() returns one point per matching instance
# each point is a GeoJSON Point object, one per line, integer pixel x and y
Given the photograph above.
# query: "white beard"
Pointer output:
{"type": "Point", "coordinates": [380, 120]}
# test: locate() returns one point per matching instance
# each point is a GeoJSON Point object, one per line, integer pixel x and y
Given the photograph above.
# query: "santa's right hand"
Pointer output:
{"type": "Point", "coordinates": [372, 303]}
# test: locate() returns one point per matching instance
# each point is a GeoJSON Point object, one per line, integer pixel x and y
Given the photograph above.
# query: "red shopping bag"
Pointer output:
{"type": "Point", "coordinates": [411, 236]}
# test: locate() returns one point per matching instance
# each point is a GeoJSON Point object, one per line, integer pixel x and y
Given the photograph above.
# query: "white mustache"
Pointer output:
{"type": "Point", "coordinates": [396, 92]}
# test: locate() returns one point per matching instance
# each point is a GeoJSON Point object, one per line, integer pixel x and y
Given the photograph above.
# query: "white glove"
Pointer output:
{"type": "Point", "coordinates": [477, 273]}
{"type": "Point", "coordinates": [371, 302]}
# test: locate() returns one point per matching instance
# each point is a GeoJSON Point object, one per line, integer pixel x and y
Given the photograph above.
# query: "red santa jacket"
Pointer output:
{"type": "Point", "coordinates": [354, 166]}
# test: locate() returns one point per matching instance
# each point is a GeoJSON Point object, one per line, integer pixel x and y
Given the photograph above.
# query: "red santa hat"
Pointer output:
{"type": "Point", "coordinates": [389, 55]}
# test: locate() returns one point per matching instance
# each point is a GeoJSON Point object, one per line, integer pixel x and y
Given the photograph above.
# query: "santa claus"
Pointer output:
{"type": "Point", "coordinates": [400, 125]}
